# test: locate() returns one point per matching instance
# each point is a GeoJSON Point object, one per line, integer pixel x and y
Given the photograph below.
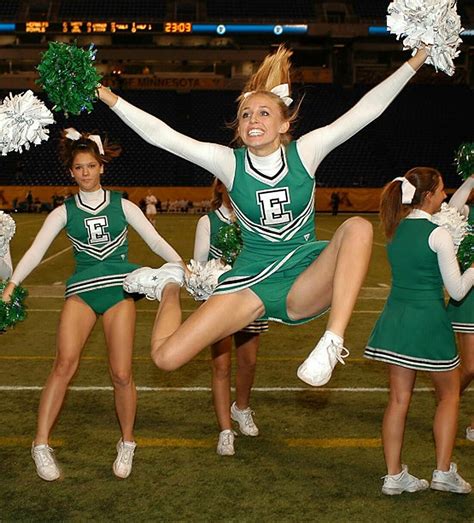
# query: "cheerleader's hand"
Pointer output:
{"type": "Point", "coordinates": [8, 291]}
{"type": "Point", "coordinates": [106, 95]}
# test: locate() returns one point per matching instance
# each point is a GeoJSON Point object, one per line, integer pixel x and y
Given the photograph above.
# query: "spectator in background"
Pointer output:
{"type": "Point", "coordinates": [150, 200]}
{"type": "Point", "coordinates": [335, 200]}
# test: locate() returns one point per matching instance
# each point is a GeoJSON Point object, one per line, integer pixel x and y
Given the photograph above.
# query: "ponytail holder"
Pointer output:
{"type": "Point", "coordinates": [408, 189]}
{"type": "Point", "coordinates": [73, 134]}
{"type": "Point", "coordinates": [282, 90]}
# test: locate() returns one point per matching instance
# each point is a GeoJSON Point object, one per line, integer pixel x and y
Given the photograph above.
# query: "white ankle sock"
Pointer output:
{"type": "Point", "coordinates": [334, 337]}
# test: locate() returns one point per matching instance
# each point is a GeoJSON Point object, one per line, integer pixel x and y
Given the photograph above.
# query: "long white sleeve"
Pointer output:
{"type": "Point", "coordinates": [315, 145]}
{"type": "Point", "coordinates": [52, 226]}
{"type": "Point", "coordinates": [457, 285]}
{"type": "Point", "coordinates": [6, 265]}
{"type": "Point", "coordinates": [217, 159]}
{"type": "Point", "coordinates": [460, 197]}
{"type": "Point", "coordinates": [148, 233]}
{"type": "Point", "coordinates": [202, 239]}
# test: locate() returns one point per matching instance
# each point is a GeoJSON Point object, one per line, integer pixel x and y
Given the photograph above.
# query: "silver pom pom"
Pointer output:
{"type": "Point", "coordinates": [7, 231]}
{"type": "Point", "coordinates": [433, 24]}
{"type": "Point", "coordinates": [204, 277]}
{"type": "Point", "coordinates": [452, 220]}
{"type": "Point", "coordinates": [23, 119]}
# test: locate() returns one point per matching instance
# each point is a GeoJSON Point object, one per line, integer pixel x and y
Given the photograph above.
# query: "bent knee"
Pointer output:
{"type": "Point", "coordinates": [164, 360]}
{"type": "Point", "coordinates": [360, 225]}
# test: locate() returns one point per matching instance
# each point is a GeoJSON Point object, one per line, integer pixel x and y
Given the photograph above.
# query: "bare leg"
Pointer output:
{"type": "Point", "coordinates": [174, 344]}
{"type": "Point", "coordinates": [402, 381]}
{"type": "Point", "coordinates": [119, 330]}
{"type": "Point", "coordinates": [221, 372]}
{"type": "Point", "coordinates": [75, 324]}
{"type": "Point", "coordinates": [466, 348]}
{"type": "Point", "coordinates": [446, 417]}
{"type": "Point", "coordinates": [247, 347]}
{"type": "Point", "coordinates": [335, 278]}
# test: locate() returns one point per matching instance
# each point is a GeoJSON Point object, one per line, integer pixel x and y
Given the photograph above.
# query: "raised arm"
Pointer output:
{"type": "Point", "coordinates": [456, 284]}
{"type": "Point", "coordinates": [461, 196]}
{"type": "Point", "coordinates": [215, 158]}
{"type": "Point", "coordinates": [315, 145]}
{"type": "Point", "coordinates": [52, 226]}
{"type": "Point", "coordinates": [148, 233]}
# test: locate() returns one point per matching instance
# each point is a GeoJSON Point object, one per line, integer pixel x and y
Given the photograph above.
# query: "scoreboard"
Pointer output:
{"type": "Point", "coordinates": [172, 27]}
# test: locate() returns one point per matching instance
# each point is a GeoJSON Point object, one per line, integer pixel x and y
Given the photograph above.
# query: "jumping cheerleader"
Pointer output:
{"type": "Point", "coordinates": [96, 221]}
{"type": "Point", "coordinates": [282, 273]}
{"type": "Point", "coordinates": [414, 333]}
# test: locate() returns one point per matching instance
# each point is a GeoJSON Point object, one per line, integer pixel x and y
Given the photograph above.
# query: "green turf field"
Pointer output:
{"type": "Point", "coordinates": [318, 458]}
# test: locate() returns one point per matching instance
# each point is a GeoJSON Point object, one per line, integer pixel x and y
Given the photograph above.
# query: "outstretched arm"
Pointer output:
{"type": "Point", "coordinates": [148, 233]}
{"type": "Point", "coordinates": [215, 158]}
{"type": "Point", "coordinates": [315, 145]}
{"type": "Point", "coordinates": [459, 198]}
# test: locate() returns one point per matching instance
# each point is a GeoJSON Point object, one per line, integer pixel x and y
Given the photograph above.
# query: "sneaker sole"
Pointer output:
{"type": "Point", "coordinates": [306, 380]}
{"type": "Point", "coordinates": [444, 487]}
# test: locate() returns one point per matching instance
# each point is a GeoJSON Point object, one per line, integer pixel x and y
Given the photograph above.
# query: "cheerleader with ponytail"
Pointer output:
{"type": "Point", "coordinates": [413, 332]}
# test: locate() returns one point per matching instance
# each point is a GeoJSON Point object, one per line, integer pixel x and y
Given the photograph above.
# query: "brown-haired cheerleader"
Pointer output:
{"type": "Point", "coordinates": [96, 221]}
{"type": "Point", "coordinates": [414, 333]}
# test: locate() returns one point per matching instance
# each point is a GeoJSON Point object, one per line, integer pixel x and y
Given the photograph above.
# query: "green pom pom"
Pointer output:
{"type": "Point", "coordinates": [464, 160]}
{"type": "Point", "coordinates": [13, 311]}
{"type": "Point", "coordinates": [68, 76]}
{"type": "Point", "coordinates": [466, 251]}
{"type": "Point", "coordinates": [229, 241]}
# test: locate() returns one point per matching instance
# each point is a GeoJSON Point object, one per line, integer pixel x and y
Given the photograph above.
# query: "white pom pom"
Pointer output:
{"type": "Point", "coordinates": [7, 230]}
{"type": "Point", "coordinates": [452, 220]}
{"type": "Point", "coordinates": [203, 278]}
{"type": "Point", "coordinates": [433, 24]}
{"type": "Point", "coordinates": [23, 119]}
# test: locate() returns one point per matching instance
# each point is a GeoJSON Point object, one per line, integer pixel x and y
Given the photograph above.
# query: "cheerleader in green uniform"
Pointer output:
{"type": "Point", "coordinates": [414, 333]}
{"type": "Point", "coordinates": [461, 313]}
{"type": "Point", "coordinates": [282, 273]}
{"type": "Point", "coordinates": [96, 221]}
{"type": "Point", "coordinates": [206, 247]}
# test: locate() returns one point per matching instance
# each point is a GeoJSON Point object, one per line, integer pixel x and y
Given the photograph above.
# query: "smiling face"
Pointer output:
{"type": "Point", "coordinates": [86, 170]}
{"type": "Point", "coordinates": [261, 124]}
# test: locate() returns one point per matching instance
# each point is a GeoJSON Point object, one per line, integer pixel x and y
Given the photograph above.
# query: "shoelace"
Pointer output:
{"type": "Point", "coordinates": [45, 455]}
{"type": "Point", "coordinates": [340, 352]}
{"type": "Point", "coordinates": [248, 420]}
{"type": "Point", "coordinates": [226, 439]}
{"type": "Point", "coordinates": [126, 454]}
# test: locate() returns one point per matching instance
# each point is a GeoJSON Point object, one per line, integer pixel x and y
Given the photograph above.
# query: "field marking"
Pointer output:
{"type": "Point", "coordinates": [333, 231]}
{"type": "Point", "coordinates": [148, 359]}
{"type": "Point", "coordinates": [56, 255]}
{"type": "Point", "coordinates": [196, 443]}
{"type": "Point", "coordinates": [108, 388]}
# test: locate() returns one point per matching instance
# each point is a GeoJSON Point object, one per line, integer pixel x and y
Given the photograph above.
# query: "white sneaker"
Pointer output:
{"type": "Point", "coordinates": [122, 466]}
{"type": "Point", "coordinates": [394, 484]}
{"type": "Point", "coordinates": [317, 368]}
{"type": "Point", "coordinates": [151, 282]}
{"type": "Point", "coordinates": [46, 465]}
{"type": "Point", "coordinates": [225, 445]}
{"type": "Point", "coordinates": [244, 419]}
{"type": "Point", "coordinates": [450, 481]}
{"type": "Point", "coordinates": [470, 433]}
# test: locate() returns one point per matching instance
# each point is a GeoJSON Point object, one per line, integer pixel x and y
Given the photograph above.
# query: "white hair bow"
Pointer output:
{"type": "Point", "coordinates": [73, 134]}
{"type": "Point", "coordinates": [282, 90]}
{"type": "Point", "coordinates": [408, 189]}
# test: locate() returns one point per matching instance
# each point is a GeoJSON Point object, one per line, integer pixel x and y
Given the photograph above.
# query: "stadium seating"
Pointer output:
{"type": "Point", "coordinates": [263, 9]}
{"type": "Point", "coordinates": [110, 9]}
{"type": "Point", "coordinates": [423, 126]}
{"type": "Point", "coordinates": [9, 9]}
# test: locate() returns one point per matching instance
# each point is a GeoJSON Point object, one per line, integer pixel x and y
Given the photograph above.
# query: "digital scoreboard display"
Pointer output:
{"type": "Point", "coordinates": [173, 27]}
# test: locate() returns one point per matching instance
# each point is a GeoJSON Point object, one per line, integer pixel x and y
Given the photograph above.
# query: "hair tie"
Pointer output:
{"type": "Point", "coordinates": [282, 91]}
{"type": "Point", "coordinates": [73, 134]}
{"type": "Point", "coordinates": [408, 189]}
